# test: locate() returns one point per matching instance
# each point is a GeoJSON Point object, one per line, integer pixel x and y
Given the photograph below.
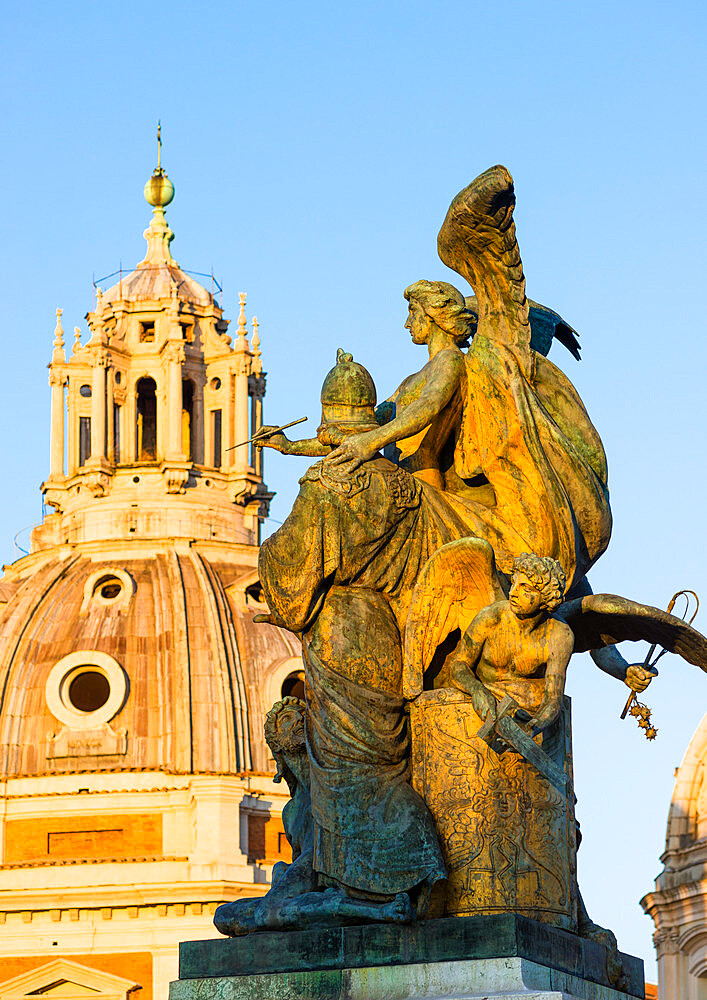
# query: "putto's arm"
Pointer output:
{"type": "Point", "coordinates": [610, 660]}
{"type": "Point", "coordinates": [561, 646]}
{"type": "Point", "coordinates": [463, 666]}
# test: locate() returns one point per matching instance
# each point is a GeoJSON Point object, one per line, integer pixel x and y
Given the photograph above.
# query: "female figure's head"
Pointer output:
{"type": "Point", "coordinates": [438, 304]}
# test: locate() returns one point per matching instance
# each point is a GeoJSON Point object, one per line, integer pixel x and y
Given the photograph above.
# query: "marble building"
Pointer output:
{"type": "Point", "coordinates": [135, 783]}
{"type": "Point", "coordinates": [678, 904]}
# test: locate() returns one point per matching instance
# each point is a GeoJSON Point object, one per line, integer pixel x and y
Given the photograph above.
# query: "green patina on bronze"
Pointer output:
{"type": "Point", "coordinates": [434, 564]}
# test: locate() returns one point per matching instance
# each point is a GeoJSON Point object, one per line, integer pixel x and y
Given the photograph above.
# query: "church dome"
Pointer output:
{"type": "Point", "coordinates": [155, 280]}
{"type": "Point", "coordinates": [121, 661]}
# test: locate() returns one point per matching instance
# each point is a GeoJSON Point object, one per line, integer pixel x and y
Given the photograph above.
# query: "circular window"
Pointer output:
{"type": "Point", "coordinates": [89, 691]}
{"type": "Point", "coordinates": [86, 689]}
{"type": "Point", "coordinates": [215, 383]}
{"type": "Point", "coordinates": [118, 378]}
{"type": "Point", "coordinates": [108, 588]}
{"type": "Point", "coordinates": [85, 391]}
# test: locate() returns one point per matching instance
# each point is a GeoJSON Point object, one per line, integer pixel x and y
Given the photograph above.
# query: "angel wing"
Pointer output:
{"type": "Point", "coordinates": [605, 619]}
{"type": "Point", "coordinates": [455, 584]}
{"type": "Point", "coordinates": [478, 241]}
{"type": "Point", "coordinates": [545, 325]}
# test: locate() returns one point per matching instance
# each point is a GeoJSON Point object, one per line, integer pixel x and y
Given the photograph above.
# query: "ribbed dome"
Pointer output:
{"type": "Point", "coordinates": [155, 281]}
{"type": "Point", "coordinates": [171, 635]}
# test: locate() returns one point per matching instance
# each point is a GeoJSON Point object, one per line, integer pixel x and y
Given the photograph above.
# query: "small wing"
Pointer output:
{"type": "Point", "coordinates": [545, 324]}
{"type": "Point", "coordinates": [455, 584]}
{"type": "Point", "coordinates": [478, 241]}
{"type": "Point", "coordinates": [605, 619]}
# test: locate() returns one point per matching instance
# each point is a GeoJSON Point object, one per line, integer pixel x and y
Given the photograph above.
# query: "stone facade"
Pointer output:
{"type": "Point", "coordinates": [135, 782]}
{"type": "Point", "coordinates": [678, 905]}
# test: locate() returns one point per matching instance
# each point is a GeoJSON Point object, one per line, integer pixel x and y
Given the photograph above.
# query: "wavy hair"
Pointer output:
{"type": "Point", "coordinates": [546, 575]}
{"type": "Point", "coordinates": [444, 304]}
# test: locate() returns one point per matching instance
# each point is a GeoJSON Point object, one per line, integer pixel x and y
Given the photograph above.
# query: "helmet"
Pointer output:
{"type": "Point", "coordinates": [348, 396]}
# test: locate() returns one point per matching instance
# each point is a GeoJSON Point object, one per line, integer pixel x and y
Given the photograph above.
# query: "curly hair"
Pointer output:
{"type": "Point", "coordinates": [444, 304]}
{"type": "Point", "coordinates": [273, 737]}
{"type": "Point", "coordinates": [546, 575]}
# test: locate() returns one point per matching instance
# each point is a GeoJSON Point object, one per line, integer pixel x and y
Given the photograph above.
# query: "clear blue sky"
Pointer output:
{"type": "Point", "coordinates": [314, 148]}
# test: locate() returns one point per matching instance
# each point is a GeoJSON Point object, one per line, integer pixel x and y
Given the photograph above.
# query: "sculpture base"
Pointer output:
{"type": "Point", "coordinates": [503, 956]}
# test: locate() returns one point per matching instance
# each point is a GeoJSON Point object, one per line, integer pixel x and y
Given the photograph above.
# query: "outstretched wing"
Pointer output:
{"type": "Point", "coordinates": [605, 619]}
{"type": "Point", "coordinates": [455, 584]}
{"type": "Point", "coordinates": [478, 241]}
{"type": "Point", "coordinates": [545, 324]}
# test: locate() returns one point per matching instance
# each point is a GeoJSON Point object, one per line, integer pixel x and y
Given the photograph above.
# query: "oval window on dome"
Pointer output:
{"type": "Point", "coordinates": [85, 391]}
{"type": "Point", "coordinates": [111, 587]}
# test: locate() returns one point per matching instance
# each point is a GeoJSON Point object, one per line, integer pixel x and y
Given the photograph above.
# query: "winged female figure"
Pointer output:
{"type": "Point", "coordinates": [500, 431]}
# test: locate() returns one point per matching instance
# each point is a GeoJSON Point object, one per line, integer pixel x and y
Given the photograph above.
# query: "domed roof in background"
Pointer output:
{"type": "Point", "coordinates": [157, 275]}
{"type": "Point", "coordinates": [155, 281]}
{"type": "Point", "coordinates": [147, 661]}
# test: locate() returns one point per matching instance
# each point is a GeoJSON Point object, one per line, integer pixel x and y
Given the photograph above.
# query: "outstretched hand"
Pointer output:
{"type": "Point", "coordinates": [638, 678]}
{"type": "Point", "coordinates": [277, 441]}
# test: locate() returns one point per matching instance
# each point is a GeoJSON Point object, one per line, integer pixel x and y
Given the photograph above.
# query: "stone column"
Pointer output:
{"type": "Point", "coordinates": [98, 406]}
{"type": "Point", "coordinates": [73, 429]}
{"type": "Point", "coordinates": [110, 419]}
{"type": "Point", "coordinates": [256, 387]}
{"type": "Point", "coordinates": [129, 428]}
{"type": "Point", "coordinates": [198, 429]}
{"type": "Point", "coordinates": [173, 442]}
{"type": "Point", "coordinates": [241, 369]}
{"type": "Point", "coordinates": [56, 450]}
{"type": "Point", "coordinates": [240, 421]}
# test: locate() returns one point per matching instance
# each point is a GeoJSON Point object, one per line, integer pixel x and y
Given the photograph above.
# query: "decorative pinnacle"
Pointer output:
{"type": "Point", "coordinates": [241, 315]}
{"type": "Point", "coordinates": [257, 365]}
{"type": "Point", "coordinates": [77, 338]}
{"type": "Point", "coordinates": [58, 352]}
{"type": "Point", "coordinates": [159, 189]}
{"type": "Point", "coordinates": [59, 330]}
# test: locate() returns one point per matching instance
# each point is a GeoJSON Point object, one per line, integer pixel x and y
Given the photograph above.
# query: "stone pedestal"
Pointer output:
{"type": "Point", "coordinates": [502, 957]}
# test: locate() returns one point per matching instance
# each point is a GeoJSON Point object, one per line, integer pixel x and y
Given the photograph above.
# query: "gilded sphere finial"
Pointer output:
{"type": "Point", "coordinates": [159, 189]}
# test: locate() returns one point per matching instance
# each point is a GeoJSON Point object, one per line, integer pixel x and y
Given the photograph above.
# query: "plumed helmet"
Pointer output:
{"type": "Point", "coordinates": [348, 396]}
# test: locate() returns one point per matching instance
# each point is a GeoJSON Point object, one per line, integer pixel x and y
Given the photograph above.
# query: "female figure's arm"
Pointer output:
{"type": "Point", "coordinates": [311, 447]}
{"type": "Point", "coordinates": [443, 374]}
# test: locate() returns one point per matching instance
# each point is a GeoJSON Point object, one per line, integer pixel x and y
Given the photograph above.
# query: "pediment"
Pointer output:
{"type": "Point", "coordinates": [64, 978]}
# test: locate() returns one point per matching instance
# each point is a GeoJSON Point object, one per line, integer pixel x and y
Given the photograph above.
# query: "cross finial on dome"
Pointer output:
{"type": "Point", "coordinates": [159, 192]}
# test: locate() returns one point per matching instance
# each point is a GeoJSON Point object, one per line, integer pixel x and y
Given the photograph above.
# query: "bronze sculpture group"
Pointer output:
{"type": "Point", "coordinates": [435, 566]}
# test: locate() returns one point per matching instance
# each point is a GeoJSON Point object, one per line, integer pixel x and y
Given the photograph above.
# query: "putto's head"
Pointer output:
{"type": "Point", "coordinates": [445, 306]}
{"type": "Point", "coordinates": [348, 401]}
{"type": "Point", "coordinates": [537, 584]}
